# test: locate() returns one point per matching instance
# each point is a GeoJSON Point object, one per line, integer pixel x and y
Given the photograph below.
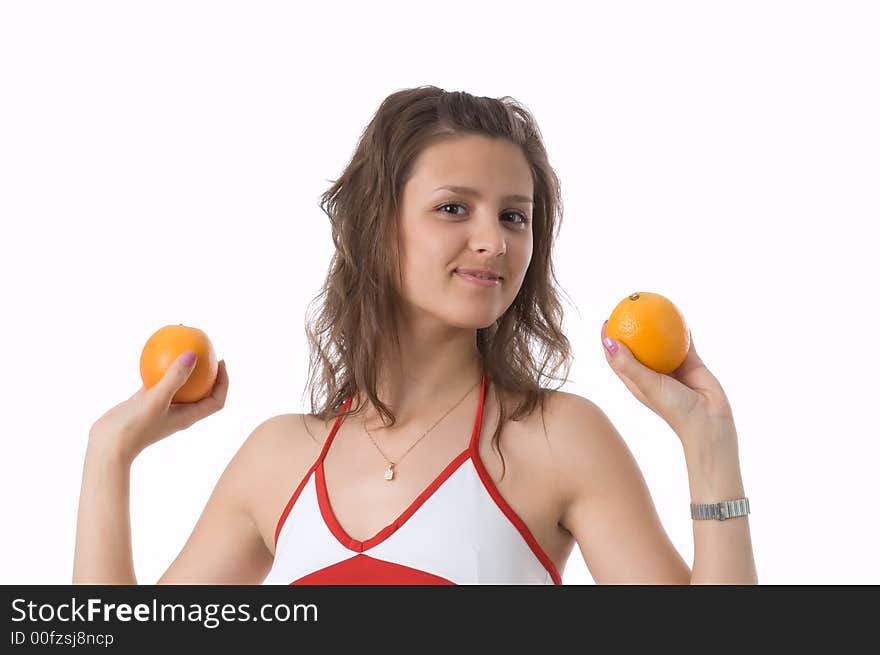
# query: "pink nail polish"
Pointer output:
{"type": "Point", "coordinates": [610, 346]}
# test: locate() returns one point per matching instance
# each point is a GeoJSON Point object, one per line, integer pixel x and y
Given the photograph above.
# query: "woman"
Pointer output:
{"type": "Point", "coordinates": [439, 296]}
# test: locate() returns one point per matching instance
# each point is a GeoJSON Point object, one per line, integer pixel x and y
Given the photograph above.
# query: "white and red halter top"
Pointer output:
{"type": "Point", "coordinates": [458, 530]}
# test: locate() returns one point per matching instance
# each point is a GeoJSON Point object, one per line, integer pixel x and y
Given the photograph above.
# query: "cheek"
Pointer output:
{"type": "Point", "coordinates": [426, 269]}
{"type": "Point", "coordinates": [520, 257]}
{"type": "Point", "coordinates": [426, 259]}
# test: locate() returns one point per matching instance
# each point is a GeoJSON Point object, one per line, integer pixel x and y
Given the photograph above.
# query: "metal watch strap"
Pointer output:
{"type": "Point", "coordinates": [721, 511]}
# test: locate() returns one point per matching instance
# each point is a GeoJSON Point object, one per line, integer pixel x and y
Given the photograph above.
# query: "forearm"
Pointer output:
{"type": "Point", "coordinates": [722, 549]}
{"type": "Point", "coordinates": [103, 531]}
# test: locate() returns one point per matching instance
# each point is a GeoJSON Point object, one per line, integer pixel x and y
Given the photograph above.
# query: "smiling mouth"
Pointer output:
{"type": "Point", "coordinates": [482, 276]}
{"type": "Point", "coordinates": [480, 280]}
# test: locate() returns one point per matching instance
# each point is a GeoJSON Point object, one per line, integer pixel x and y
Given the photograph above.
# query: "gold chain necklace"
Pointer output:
{"type": "Point", "coordinates": [389, 472]}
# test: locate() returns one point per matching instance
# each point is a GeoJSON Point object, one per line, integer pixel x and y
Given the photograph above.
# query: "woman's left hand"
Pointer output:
{"type": "Point", "coordinates": [689, 399]}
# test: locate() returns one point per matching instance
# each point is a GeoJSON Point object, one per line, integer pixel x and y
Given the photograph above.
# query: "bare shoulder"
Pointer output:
{"type": "Point", "coordinates": [273, 445]}
{"type": "Point", "coordinates": [583, 440]}
{"type": "Point", "coordinates": [273, 435]}
{"type": "Point", "coordinates": [607, 505]}
{"type": "Point", "coordinates": [288, 441]}
{"type": "Point", "coordinates": [563, 411]}
{"type": "Point", "coordinates": [293, 429]}
{"type": "Point", "coordinates": [274, 441]}
{"type": "Point", "coordinates": [572, 415]}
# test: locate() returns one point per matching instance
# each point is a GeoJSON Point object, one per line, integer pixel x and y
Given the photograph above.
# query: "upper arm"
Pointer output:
{"type": "Point", "coordinates": [608, 507]}
{"type": "Point", "coordinates": [226, 546]}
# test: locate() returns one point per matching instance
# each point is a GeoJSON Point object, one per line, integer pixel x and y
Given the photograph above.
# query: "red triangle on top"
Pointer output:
{"type": "Point", "coordinates": [365, 570]}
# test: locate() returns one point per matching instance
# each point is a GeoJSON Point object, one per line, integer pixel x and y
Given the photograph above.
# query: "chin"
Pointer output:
{"type": "Point", "coordinates": [472, 320]}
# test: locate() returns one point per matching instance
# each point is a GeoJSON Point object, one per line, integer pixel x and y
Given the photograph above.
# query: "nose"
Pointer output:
{"type": "Point", "coordinates": [488, 237]}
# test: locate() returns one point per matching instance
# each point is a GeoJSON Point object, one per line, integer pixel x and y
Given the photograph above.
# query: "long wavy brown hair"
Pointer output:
{"type": "Point", "coordinates": [359, 301]}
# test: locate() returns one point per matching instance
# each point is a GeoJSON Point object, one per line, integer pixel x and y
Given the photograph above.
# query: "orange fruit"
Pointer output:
{"type": "Point", "coordinates": [653, 328]}
{"type": "Point", "coordinates": [168, 343]}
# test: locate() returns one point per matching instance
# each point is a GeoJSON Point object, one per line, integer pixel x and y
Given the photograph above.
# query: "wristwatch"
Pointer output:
{"type": "Point", "coordinates": [726, 509]}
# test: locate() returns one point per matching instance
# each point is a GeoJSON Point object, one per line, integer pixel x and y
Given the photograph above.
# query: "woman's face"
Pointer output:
{"type": "Point", "coordinates": [443, 230]}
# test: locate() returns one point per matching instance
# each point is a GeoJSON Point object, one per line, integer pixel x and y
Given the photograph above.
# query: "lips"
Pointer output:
{"type": "Point", "coordinates": [480, 273]}
{"type": "Point", "coordinates": [485, 282]}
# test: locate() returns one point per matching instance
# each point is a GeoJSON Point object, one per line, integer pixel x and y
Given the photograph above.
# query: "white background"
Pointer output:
{"type": "Point", "coordinates": [161, 163]}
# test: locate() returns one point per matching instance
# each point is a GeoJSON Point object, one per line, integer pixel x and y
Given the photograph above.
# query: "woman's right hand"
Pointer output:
{"type": "Point", "coordinates": [149, 415]}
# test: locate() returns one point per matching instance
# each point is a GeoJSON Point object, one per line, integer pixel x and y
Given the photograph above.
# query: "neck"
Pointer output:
{"type": "Point", "coordinates": [427, 379]}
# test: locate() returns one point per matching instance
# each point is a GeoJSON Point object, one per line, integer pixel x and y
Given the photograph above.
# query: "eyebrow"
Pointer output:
{"type": "Point", "coordinates": [467, 191]}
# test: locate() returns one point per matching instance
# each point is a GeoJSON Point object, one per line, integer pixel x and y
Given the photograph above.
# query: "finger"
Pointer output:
{"type": "Point", "coordinates": [691, 361]}
{"type": "Point", "coordinates": [174, 378]}
{"type": "Point", "coordinates": [221, 386]}
{"type": "Point", "coordinates": [643, 382]}
{"type": "Point", "coordinates": [694, 374]}
{"type": "Point", "coordinates": [186, 414]}
{"type": "Point", "coordinates": [218, 391]}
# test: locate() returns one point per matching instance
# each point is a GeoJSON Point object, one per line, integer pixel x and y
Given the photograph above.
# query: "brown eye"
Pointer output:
{"type": "Point", "coordinates": [523, 218]}
{"type": "Point", "coordinates": [449, 204]}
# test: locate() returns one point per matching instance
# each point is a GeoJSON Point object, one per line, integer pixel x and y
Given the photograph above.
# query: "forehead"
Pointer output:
{"type": "Point", "coordinates": [494, 164]}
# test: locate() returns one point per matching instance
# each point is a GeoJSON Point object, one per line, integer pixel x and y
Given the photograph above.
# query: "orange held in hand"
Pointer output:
{"type": "Point", "coordinates": [165, 346]}
{"type": "Point", "coordinates": [653, 328]}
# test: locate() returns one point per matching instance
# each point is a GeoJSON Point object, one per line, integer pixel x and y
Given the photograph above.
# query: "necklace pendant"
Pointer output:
{"type": "Point", "coordinates": [389, 472]}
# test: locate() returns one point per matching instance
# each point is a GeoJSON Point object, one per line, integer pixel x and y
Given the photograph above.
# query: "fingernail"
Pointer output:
{"type": "Point", "coordinates": [610, 346]}
{"type": "Point", "coordinates": [189, 357]}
